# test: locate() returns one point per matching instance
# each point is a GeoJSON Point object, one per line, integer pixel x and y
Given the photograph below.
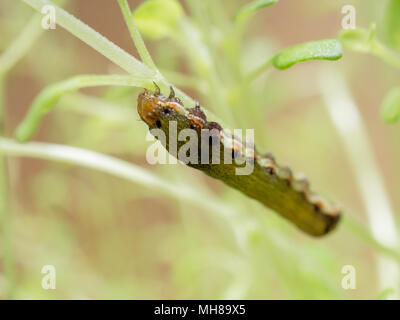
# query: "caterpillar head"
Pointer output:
{"type": "Point", "coordinates": [155, 108]}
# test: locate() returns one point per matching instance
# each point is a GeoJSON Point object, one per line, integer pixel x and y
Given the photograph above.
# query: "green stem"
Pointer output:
{"type": "Point", "coordinates": [49, 96]}
{"type": "Point", "coordinates": [109, 111]}
{"type": "Point", "coordinates": [185, 80]}
{"type": "Point", "coordinates": [21, 45]}
{"type": "Point", "coordinates": [135, 35]}
{"type": "Point", "coordinates": [95, 40]}
{"type": "Point", "coordinates": [347, 120]}
{"type": "Point", "coordinates": [127, 171]}
{"type": "Point", "coordinates": [386, 54]}
{"type": "Point", "coordinates": [18, 48]}
{"type": "Point", "coordinates": [130, 172]}
{"type": "Point", "coordinates": [356, 229]}
{"type": "Point", "coordinates": [110, 50]}
{"type": "Point", "coordinates": [259, 70]}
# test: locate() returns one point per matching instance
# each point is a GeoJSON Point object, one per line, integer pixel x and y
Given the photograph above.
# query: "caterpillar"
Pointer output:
{"type": "Point", "coordinates": [269, 183]}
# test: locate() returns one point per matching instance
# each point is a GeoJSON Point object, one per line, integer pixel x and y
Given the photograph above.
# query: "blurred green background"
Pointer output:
{"type": "Point", "coordinates": [112, 238]}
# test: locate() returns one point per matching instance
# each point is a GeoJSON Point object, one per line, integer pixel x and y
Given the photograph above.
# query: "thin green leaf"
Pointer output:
{"type": "Point", "coordinates": [128, 171]}
{"type": "Point", "coordinates": [94, 39]}
{"type": "Point", "coordinates": [252, 7]}
{"type": "Point", "coordinates": [329, 49]}
{"type": "Point", "coordinates": [105, 47]}
{"type": "Point", "coordinates": [392, 23]}
{"type": "Point", "coordinates": [391, 106]}
{"type": "Point", "coordinates": [21, 44]}
{"type": "Point", "coordinates": [158, 18]}
{"type": "Point", "coordinates": [48, 97]}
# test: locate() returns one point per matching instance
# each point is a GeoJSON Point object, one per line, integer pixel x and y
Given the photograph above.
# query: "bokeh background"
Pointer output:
{"type": "Point", "coordinates": [117, 239]}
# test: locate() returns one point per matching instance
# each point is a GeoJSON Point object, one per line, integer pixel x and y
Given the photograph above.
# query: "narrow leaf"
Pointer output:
{"type": "Point", "coordinates": [329, 49]}
{"type": "Point", "coordinates": [253, 7]}
{"type": "Point", "coordinates": [48, 97]}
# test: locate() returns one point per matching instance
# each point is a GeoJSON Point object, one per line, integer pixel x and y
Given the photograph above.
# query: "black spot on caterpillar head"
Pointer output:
{"type": "Point", "coordinates": [194, 126]}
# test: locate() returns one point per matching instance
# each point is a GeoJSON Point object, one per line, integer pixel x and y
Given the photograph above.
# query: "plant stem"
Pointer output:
{"type": "Point", "coordinates": [130, 172]}
{"type": "Point", "coordinates": [108, 48]}
{"type": "Point", "coordinates": [386, 54]}
{"type": "Point", "coordinates": [97, 161]}
{"type": "Point", "coordinates": [259, 70]}
{"type": "Point", "coordinates": [185, 80]}
{"type": "Point", "coordinates": [348, 122]}
{"type": "Point", "coordinates": [18, 48]}
{"type": "Point", "coordinates": [21, 45]}
{"type": "Point", "coordinates": [109, 111]}
{"type": "Point", "coordinates": [96, 40]}
{"type": "Point", "coordinates": [127, 171]}
{"type": "Point", "coordinates": [359, 231]}
{"type": "Point", "coordinates": [48, 97]}
{"type": "Point", "coordinates": [135, 35]}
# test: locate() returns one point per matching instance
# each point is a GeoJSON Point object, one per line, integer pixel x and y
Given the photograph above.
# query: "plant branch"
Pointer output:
{"type": "Point", "coordinates": [21, 44]}
{"type": "Point", "coordinates": [259, 70]}
{"type": "Point", "coordinates": [127, 171]}
{"type": "Point", "coordinates": [347, 120]}
{"type": "Point", "coordinates": [8, 59]}
{"type": "Point", "coordinates": [135, 35]}
{"type": "Point", "coordinates": [110, 50]}
{"type": "Point", "coordinates": [49, 96]}
{"type": "Point", "coordinates": [135, 174]}
{"type": "Point", "coordinates": [95, 40]}
{"type": "Point", "coordinates": [361, 232]}
{"type": "Point", "coordinates": [386, 54]}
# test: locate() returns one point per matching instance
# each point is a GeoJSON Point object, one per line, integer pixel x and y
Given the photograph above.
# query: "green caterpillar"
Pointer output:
{"type": "Point", "coordinates": [272, 185]}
